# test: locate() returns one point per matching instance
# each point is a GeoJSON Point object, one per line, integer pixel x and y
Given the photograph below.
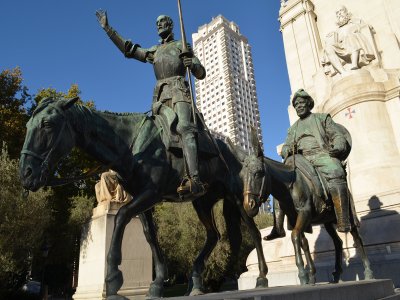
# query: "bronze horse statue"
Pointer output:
{"type": "Point", "coordinates": [131, 145]}
{"type": "Point", "coordinates": [294, 191]}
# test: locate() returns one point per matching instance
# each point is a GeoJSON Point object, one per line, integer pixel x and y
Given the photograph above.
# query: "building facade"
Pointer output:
{"type": "Point", "coordinates": [227, 97]}
{"type": "Point", "coordinates": [348, 59]}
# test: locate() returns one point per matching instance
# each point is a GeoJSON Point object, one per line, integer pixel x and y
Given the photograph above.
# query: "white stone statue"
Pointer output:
{"type": "Point", "coordinates": [346, 45]}
{"type": "Point", "coordinates": [109, 189]}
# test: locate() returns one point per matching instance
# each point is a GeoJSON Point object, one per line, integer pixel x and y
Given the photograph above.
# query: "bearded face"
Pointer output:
{"type": "Point", "coordinates": [342, 16]}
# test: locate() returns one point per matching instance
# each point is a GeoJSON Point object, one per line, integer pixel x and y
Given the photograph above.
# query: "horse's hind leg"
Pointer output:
{"type": "Point", "coordinates": [368, 274]}
{"type": "Point", "coordinates": [337, 272]}
{"type": "Point", "coordinates": [203, 207]}
{"type": "Point", "coordinates": [157, 286]}
{"type": "Point", "coordinates": [310, 261]}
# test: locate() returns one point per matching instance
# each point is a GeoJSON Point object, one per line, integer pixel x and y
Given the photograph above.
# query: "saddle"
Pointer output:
{"type": "Point", "coordinates": [319, 183]}
{"type": "Point", "coordinates": [167, 122]}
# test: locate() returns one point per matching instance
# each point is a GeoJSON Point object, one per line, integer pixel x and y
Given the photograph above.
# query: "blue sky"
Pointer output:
{"type": "Point", "coordinates": [58, 43]}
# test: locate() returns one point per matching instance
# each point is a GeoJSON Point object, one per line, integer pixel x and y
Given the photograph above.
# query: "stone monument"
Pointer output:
{"type": "Point", "coordinates": [348, 59]}
{"type": "Point", "coordinates": [137, 260]}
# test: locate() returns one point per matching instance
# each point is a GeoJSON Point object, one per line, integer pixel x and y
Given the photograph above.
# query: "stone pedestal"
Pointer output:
{"type": "Point", "coordinates": [136, 263]}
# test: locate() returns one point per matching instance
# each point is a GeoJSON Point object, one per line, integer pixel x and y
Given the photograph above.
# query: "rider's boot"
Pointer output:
{"type": "Point", "coordinates": [277, 231]}
{"type": "Point", "coordinates": [192, 185]}
{"type": "Point", "coordinates": [340, 198]}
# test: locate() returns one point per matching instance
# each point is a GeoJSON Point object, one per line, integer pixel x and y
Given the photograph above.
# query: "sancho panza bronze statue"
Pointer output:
{"type": "Point", "coordinates": [323, 143]}
{"type": "Point", "coordinates": [171, 88]}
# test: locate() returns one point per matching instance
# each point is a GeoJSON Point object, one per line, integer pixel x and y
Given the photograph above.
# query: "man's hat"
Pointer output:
{"type": "Point", "coordinates": [303, 94]}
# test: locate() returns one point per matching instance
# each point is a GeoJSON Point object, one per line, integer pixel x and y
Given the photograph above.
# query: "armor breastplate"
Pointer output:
{"type": "Point", "coordinates": [167, 62]}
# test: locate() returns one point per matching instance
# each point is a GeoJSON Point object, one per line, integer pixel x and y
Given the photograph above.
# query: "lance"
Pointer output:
{"type": "Point", "coordinates": [187, 53]}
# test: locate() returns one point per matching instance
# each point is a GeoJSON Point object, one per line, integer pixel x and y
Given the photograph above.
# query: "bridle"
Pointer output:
{"type": "Point", "coordinates": [45, 169]}
{"type": "Point", "coordinates": [261, 196]}
{"type": "Point", "coordinates": [45, 166]}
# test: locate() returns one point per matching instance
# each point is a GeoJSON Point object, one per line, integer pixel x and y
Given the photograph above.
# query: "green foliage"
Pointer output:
{"type": "Point", "coordinates": [22, 223]}
{"type": "Point", "coordinates": [182, 236]}
{"type": "Point", "coordinates": [13, 99]}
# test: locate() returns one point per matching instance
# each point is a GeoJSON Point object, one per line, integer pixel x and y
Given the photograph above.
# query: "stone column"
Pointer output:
{"type": "Point", "coordinates": [136, 263]}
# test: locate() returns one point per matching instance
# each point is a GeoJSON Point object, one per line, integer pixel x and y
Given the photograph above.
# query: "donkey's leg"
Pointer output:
{"type": "Point", "coordinates": [157, 286]}
{"type": "Point", "coordinates": [303, 218]}
{"type": "Point", "coordinates": [310, 261]}
{"type": "Point", "coordinates": [234, 234]}
{"type": "Point", "coordinates": [203, 207]}
{"type": "Point", "coordinates": [255, 234]}
{"type": "Point", "coordinates": [336, 274]}
{"type": "Point", "coordinates": [368, 274]}
{"type": "Point", "coordinates": [142, 202]}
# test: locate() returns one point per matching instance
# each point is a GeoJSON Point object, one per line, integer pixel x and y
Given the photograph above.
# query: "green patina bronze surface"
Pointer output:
{"type": "Point", "coordinates": [170, 62]}
{"type": "Point", "coordinates": [131, 145]}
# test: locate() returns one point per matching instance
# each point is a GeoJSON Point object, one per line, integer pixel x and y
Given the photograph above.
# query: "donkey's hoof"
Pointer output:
{"type": "Point", "coordinates": [368, 274]}
{"type": "Point", "coordinates": [196, 292]}
{"type": "Point", "coordinates": [262, 282]}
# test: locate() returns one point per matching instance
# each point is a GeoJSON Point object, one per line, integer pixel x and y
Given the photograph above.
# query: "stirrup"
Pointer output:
{"type": "Point", "coordinates": [191, 187]}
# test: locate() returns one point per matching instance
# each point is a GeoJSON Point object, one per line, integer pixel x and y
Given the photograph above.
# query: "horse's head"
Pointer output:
{"type": "Point", "coordinates": [256, 180]}
{"type": "Point", "coordinates": [48, 137]}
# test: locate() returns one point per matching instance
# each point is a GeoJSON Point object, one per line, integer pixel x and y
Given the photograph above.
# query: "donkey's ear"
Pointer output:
{"type": "Point", "coordinates": [69, 102]}
{"type": "Point", "coordinates": [238, 154]}
{"type": "Point", "coordinates": [256, 143]}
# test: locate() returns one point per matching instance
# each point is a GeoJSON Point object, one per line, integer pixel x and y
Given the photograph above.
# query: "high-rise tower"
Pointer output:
{"type": "Point", "coordinates": [227, 97]}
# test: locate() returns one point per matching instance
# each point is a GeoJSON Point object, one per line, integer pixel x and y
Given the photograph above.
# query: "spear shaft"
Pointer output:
{"type": "Point", "coordinates": [187, 53]}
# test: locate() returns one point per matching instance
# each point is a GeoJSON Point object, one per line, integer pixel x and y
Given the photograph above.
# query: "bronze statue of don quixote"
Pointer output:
{"type": "Point", "coordinates": [171, 156]}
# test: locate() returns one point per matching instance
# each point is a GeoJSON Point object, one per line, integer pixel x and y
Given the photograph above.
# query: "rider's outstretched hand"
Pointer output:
{"type": "Point", "coordinates": [102, 18]}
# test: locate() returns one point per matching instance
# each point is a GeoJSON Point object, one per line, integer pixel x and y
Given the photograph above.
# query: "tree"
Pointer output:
{"type": "Point", "coordinates": [14, 99]}
{"type": "Point", "coordinates": [181, 236]}
{"type": "Point", "coordinates": [22, 223]}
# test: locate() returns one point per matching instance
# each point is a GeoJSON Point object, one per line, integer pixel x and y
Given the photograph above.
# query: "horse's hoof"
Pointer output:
{"type": "Point", "coordinates": [304, 279]}
{"type": "Point", "coordinates": [116, 297]}
{"type": "Point", "coordinates": [196, 292]}
{"type": "Point", "coordinates": [262, 282]}
{"type": "Point", "coordinates": [311, 279]}
{"type": "Point", "coordinates": [335, 277]}
{"type": "Point", "coordinates": [114, 281]}
{"type": "Point", "coordinates": [369, 275]}
{"type": "Point", "coordinates": [155, 291]}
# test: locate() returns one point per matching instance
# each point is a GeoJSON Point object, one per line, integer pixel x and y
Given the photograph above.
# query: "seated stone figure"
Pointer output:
{"type": "Point", "coordinates": [346, 45]}
{"type": "Point", "coordinates": [108, 189]}
{"type": "Point", "coordinates": [321, 142]}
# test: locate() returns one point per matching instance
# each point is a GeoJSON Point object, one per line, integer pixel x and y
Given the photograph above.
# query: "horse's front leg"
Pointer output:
{"type": "Point", "coordinates": [203, 208]}
{"type": "Point", "coordinates": [161, 273]}
{"type": "Point", "coordinates": [303, 219]}
{"type": "Point", "coordinates": [310, 261]}
{"type": "Point", "coordinates": [337, 242]}
{"type": "Point", "coordinates": [255, 234]}
{"type": "Point", "coordinates": [140, 203]}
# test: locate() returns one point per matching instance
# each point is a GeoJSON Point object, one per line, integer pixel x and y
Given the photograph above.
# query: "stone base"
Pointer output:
{"type": "Point", "coordinates": [136, 263]}
{"type": "Point", "coordinates": [353, 290]}
{"type": "Point", "coordinates": [380, 242]}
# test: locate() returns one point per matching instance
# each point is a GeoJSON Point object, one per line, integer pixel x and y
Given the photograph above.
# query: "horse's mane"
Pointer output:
{"type": "Point", "coordinates": [279, 170]}
{"type": "Point", "coordinates": [120, 113]}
